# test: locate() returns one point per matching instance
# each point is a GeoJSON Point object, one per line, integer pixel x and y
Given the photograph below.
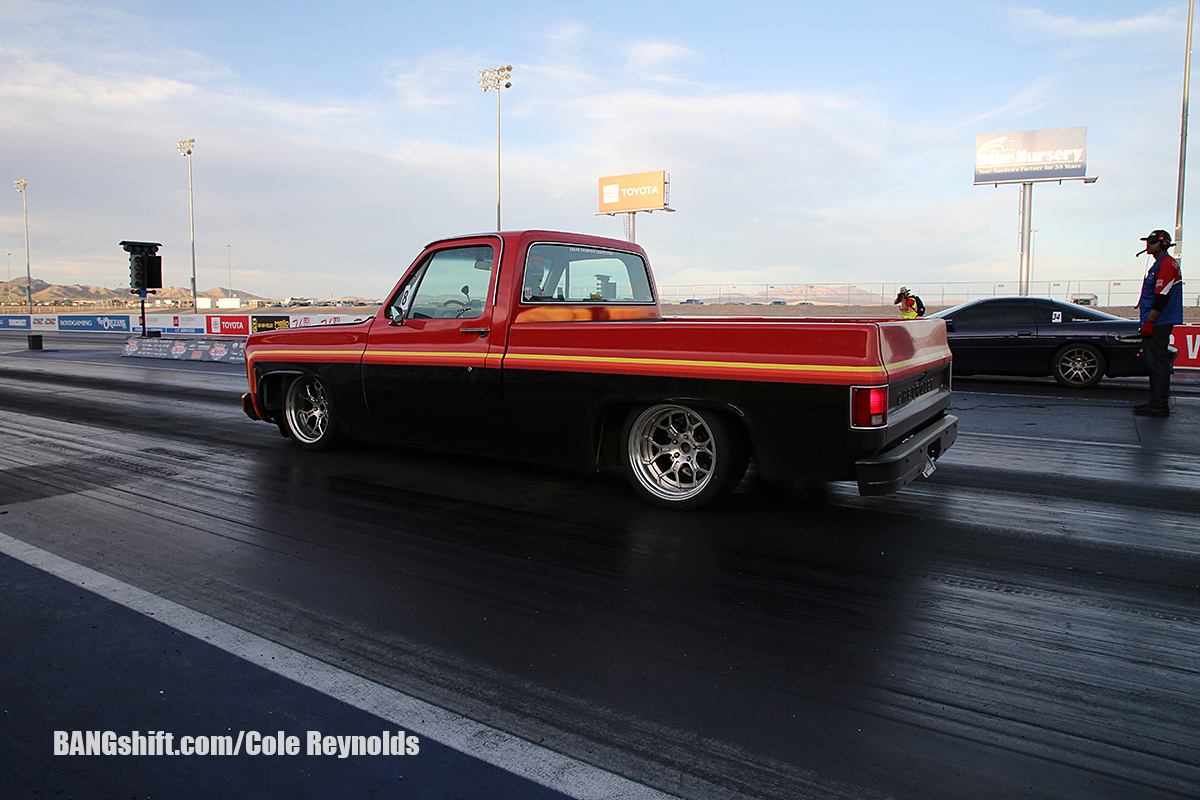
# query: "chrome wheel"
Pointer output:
{"type": "Point", "coordinates": [679, 457]}
{"type": "Point", "coordinates": [1079, 366]}
{"type": "Point", "coordinates": [309, 413]}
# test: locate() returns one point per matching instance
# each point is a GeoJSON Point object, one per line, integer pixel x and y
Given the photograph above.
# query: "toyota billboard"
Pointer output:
{"type": "Point", "coordinates": [641, 191]}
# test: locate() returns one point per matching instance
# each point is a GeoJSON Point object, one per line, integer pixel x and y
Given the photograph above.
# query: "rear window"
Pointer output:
{"type": "Point", "coordinates": [1074, 313]}
{"type": "Point", "coordinates": [560, 273]}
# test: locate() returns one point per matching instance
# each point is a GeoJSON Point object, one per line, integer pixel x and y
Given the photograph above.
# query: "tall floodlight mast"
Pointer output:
{"type": "Point", "coordinates": [185, 150]}
{"type": "Point", "coordinates": [21, 184]}
{"type": "Point", "coordinates": [498, 78]}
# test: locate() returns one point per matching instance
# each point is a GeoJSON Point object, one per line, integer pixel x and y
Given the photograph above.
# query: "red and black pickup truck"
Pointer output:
{"type": "Point", "coordinates": [552, 347]}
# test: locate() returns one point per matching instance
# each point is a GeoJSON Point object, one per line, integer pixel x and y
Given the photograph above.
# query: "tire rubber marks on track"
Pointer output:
{"type": "Point", "coordinates": [998, 587]}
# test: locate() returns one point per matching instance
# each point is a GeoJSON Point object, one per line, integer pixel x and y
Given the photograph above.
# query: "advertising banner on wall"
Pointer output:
{"type": "Point", "coordinates": [221, 325]}
{"type": "Point", "coordinates": [94, 322]}
{"type": "Point", "coordinates": [1050, 154]}
{"type": "Point", "coordinates": [45, 322]}
{"type": "Point", "coordinates": [14, 322]}
{"type": "Point", "coordinates": [269, 323]}
{"type": "Point", "coordinates": [1186, 339]}
{"type": "Point", "coordinates": [169, 323]}
{"type": "Point", "coordinates": [640, 191]}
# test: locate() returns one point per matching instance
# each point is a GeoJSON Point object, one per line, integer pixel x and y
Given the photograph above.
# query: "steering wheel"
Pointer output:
{"type": "Point", "coordinates": [452, 309]}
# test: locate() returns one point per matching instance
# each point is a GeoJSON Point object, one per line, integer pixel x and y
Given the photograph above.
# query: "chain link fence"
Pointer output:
{"type": "Point", "coordinates": [1104, 293]}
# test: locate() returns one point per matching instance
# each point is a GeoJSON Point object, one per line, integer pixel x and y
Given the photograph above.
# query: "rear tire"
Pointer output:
{"type": "Point", "coordinates": [682, 458]}
{"type": "Point", "coordinates": [1079, 365]}
{"type": "Point", "coordinates": [309, 414]}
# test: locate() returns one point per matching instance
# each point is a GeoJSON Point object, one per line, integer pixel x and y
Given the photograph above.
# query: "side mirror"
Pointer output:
{"type": "Point", "coordinates": [466, 290]}
{"type": "Point", "coordinates": [395, 316]}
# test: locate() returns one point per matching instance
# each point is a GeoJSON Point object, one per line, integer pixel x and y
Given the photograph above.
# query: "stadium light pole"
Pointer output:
{"type": "Point", "coordinates": [1187, 74]}
{"type": "Point", "coordinates": [185, 150]}
{"type": "Point", "coordinates": [229, 257]}
{"type": "Point", "coordinates": [8, 284]}
{"type": "Point", "coordinates": [498, 78]}
{"type": "Point", "coordinates": [21, 184]}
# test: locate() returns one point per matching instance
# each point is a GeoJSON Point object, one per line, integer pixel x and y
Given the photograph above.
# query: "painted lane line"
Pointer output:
{"type": "Point", "coordinates": [515, 755]}
{"type": "Point", "coordinates": [1016, 437]}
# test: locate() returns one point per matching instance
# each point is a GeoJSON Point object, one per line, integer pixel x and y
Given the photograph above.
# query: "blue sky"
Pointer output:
{"type": "Point", "coordinates": [806, 142]}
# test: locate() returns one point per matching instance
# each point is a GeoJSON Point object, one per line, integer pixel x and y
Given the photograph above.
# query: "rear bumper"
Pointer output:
{"type": "Point", "coordinates": [893, 469]}
{"type": "Point", "coordinates": [249, 407]}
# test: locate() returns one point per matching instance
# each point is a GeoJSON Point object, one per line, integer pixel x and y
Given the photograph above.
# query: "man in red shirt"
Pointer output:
{"type": "Point", "coordinates": [1161, 309]}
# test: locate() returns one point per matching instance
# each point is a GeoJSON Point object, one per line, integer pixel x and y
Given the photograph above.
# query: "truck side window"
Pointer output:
{"type": "Point", "coordinates": [452, 284]}
{"type": "Point", "coordinates": [559, 273]}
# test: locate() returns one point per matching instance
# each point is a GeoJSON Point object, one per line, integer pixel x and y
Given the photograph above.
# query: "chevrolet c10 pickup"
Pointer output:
{"type": "Point", "coordinates": [552, 347]}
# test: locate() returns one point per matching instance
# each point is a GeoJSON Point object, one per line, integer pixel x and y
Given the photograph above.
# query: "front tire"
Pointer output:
{"type": "Point", "coordinates": [1079, 365]}
{"type": "Point", "coordinates": [309, 414]}
{"type": "Point", "coordinates": [682, 458]}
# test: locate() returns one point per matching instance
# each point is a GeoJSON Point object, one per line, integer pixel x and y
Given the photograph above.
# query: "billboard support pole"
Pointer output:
{"type": "Point", "coordinates": [630, 232]}
{"type": "Point", "coordinates": [1187, 73]}
{"type": "Point", "coordinates": [1026, 224]}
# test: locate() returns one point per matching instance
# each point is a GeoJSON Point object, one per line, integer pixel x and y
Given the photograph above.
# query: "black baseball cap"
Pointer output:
{"type": "Point", "coordinates": [1161, 237]}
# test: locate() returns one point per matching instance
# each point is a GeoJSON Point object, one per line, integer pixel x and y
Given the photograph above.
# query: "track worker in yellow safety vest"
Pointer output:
{"type": "Point", "coordinates": [911, 306]}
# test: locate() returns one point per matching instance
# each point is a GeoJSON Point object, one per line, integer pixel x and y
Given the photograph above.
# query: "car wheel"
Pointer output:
{"type": "Point", "coordinates": [682, 458]}
{"type": "Point", "coordinates": [1079, 365]}
{"type": "Point", "coordinates": [309, 414]}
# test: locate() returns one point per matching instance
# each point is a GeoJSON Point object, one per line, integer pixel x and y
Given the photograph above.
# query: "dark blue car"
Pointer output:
{"type": "Point", "coordinates": [1038, 336]}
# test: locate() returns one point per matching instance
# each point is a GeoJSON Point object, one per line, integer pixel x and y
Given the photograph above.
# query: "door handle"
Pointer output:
{"type": "Point", "coordinates": [1024, 333]}
{"type": "Point", "coordinates": [481, 331]}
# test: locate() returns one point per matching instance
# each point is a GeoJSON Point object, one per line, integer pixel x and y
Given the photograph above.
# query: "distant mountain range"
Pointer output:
{"type": "Point", "coordinates": [14, 292]}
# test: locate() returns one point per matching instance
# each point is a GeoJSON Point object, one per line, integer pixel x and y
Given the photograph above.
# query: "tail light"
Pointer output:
{"type": "Point", "coordinates": [869, 405]}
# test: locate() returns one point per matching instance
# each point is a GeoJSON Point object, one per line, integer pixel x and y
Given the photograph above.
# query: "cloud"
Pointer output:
{"type": "Point", "coordinates": [648, 56]}
{"type": "Point", "coordinates": [567, 33]}
{"type": "Point", "coordinates": [49, 84]}
{"type": "Point", "coordinates": [440, 79]}
{"type": "Point", "coordinates": [1059, 27]}
{"type": "Point", "coordinates": [1040, 94]}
